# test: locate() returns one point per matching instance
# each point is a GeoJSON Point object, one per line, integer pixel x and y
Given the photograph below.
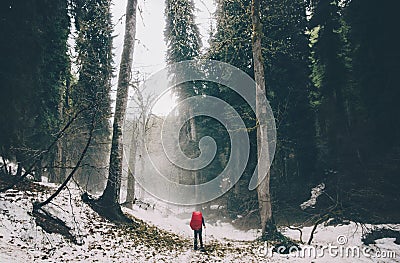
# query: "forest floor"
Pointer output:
{"type": "Point", "coordinates": [159, 236]}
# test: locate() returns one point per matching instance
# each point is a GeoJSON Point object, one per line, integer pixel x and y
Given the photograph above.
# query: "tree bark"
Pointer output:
{"type": "Point", "coordinates": [263, 190]}
{"type": "Point", "coordinates": [110, 197]}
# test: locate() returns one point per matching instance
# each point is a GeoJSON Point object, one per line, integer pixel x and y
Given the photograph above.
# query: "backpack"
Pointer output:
{"type": "Point", "coordinates": [196, 221]}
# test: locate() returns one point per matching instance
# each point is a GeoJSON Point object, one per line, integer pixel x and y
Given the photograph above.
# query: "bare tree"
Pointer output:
{"type": "Point", "coordinates": [133, 146]}
{"type": "Point", "coordinates": [108, 203]}
{"type": "Point", "coordinates": [263, 190]}
{"type": "Point", "coordinates": [139, 129]}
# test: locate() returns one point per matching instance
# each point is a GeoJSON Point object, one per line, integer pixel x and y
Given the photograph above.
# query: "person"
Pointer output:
{"type": "Point", "coordinates": [198, 233]}
{"type": "Point", "coordinates": [197, 224]}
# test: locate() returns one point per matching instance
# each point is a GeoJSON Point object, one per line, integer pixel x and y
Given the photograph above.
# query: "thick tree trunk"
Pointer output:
{"type": "Point", "coordinates": [263, 189]}
{"type": "Point", "coordinates": [110, 198]}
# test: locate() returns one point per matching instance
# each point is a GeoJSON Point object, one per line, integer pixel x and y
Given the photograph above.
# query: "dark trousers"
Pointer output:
{"type": "Point", "coordinates": [199, 234]}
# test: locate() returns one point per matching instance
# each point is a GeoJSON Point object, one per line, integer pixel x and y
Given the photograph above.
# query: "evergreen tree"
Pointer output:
{"type": "Point", "coordinates": [286, 52]}
{"type": "Point", "coordinates": [231, 43]}
{"type": "Point", "coordinates": [330, 77]}
{"type": "Point", "coordinates": [181, 33]}
{"type": "Point", "coordinates": [374, 57]}
{"type": "Point", "coordinates": [92, 91]}
{"type": "Point", "coordinates": [33, 71]}
{"type": "Point", "coordinates": [372, 112]}
{"type": "Point", "coordinates": [183, 43]}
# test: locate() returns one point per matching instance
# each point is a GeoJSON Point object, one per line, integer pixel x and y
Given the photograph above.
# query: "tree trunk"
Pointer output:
{"type": "Point", "coordinates": [62, 111]}
{"type": "Point", "coordinates": [59, 177]}
{"type": "Point", "coordinates": [140, 143]}
{"type": "Point", "coordinates": [109, 201]}
{"type": "Point", "coordinates": [263, 189]}
{"type": "Point", "coordinates": [52, 177]}
{"type": "Point", "coordinates": [130, 195]}
{"type": "Point", "coordinates": [193, 138]}
{"type": "Point", "coordinates": [38, 172]}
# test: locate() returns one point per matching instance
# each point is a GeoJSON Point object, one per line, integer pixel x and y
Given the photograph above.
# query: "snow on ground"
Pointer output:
{"type": "Point", "coordinates": [343, 244]}
{"type": "Point", "coordinates": [165, 217]}
{"type": "Point", "coordinates": [22, 240]}
{"type": "Point", "coordinates": [101, 241]}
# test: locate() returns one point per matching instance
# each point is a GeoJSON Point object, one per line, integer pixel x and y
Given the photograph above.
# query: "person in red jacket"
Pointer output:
{"type": "Point", "coordinates": [198, 233]}
{"type": "Point", "coordinates": [197, 224]}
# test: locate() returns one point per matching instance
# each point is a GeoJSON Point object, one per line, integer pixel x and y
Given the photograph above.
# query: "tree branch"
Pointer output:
{"type": "Point", "coordinates": [39, 205]}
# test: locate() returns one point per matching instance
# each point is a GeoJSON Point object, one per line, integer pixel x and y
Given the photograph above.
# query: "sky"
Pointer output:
{"type": "Point", "coordinates": [150, 47]}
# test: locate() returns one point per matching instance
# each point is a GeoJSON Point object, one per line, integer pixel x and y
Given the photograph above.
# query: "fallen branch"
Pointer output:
{"type": "Point", "coordinates": [324, 218]}
{"type": "Point", "coordinates": [301, 233]}
{"type": "Point", "coordinates": [61, 187]}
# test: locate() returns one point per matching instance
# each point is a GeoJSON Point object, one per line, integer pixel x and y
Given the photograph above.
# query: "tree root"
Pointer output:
{"type": "Point", "coordinates": [109, 211]}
